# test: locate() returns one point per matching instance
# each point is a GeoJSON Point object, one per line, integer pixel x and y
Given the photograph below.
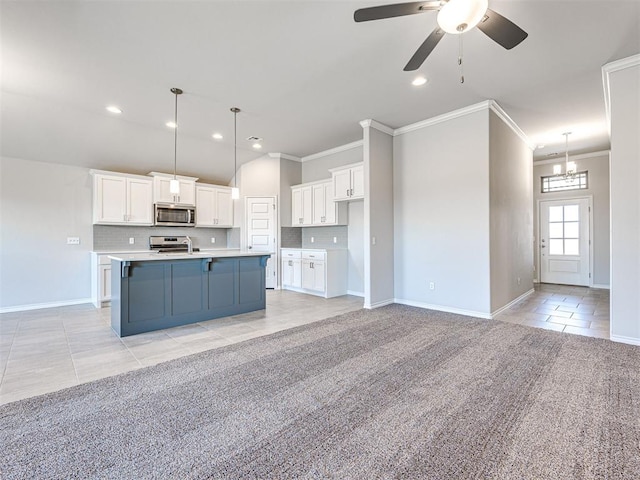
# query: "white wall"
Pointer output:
{"type": "Point", "coordinates": [41, 204]}
{"type": "Point", "coordinates": [597, 164]}
{"type": "Point", "coordinates": [441, 212]}
{"type": "Point", "coordinates": [511, 214]}
{"type": "Point", "coordinates": [378, 217]}
{"type": "Point", "coordinates": [624, 88]}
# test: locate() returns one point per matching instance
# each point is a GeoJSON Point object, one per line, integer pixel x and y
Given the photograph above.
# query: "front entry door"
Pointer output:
{"type": "Point", "coordinates": [565, 242]}
{"type": "Point", "coordinates": [261, 232]}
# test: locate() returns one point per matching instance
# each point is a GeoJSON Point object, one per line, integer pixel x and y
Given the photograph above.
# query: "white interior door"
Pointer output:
{"type": "Point", "coordinates": [565, 241]}
{"type": "Point", "coordinates": [261, 232]}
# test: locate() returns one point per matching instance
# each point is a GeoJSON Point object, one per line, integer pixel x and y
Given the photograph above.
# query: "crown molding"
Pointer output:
{"type": "Point", "coordinates": [378, 126]}
{"type": "Point", "coordinates": [478, 107]}
{"type": "Point", "coordinates": [445, 117]}
{"type": "Point", "coordinates": [607, 70]}
{"type": "Point", "coordinates": [497, 109]}
{"type": "Point", "coordinates": [582, 156]}
{"type": "Point", "coordinates": [331, 151]}
{"type": "Point", "coordinates": [285, 156]}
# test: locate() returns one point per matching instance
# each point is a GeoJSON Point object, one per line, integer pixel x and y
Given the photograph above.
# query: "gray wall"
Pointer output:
{"type": "Point", "coordinates": [318, 169]}
{"type": "Point", "coordinates": [441, 212]}
{"type": "Point", "coordinates": [598, 167]}
{"type": "Point", "coordinates": [355, 239]}
{"type": "Point", "coordinates": [625, 204]}
{"type": "Point", "coordinates": [378, 218]}
{"type": "Point", "coordinates": [511, 215]}
{"type": "Point", "coordinates": [290, 174]}
{"type": "Point", "coordinates": [41, 204]}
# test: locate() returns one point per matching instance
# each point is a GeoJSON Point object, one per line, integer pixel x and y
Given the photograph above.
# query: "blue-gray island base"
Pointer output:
{"type": "Point", "coordinates": [166, 292]}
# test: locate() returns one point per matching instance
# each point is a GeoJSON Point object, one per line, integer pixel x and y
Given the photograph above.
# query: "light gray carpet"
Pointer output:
{"type": "Point", "coordinates": [396, 392]}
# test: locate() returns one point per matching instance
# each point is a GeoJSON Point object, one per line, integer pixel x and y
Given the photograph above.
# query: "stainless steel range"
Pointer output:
{"type": "Point", "coordinates": [172, 244]}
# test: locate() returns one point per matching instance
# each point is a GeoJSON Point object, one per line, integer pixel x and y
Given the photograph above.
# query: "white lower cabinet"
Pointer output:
{"type": "Point", "coordinates": [315, 271]}
{"type": "Point", "coordinates": [100, 279]}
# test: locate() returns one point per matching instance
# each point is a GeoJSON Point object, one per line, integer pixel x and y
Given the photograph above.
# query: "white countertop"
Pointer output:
{"type": "Point", "coordinates": [146, 256]}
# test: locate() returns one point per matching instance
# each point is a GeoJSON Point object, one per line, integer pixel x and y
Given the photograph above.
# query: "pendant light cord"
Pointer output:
{"type": "Point", "coordinates": [175, 138]}
{"type": "Point", "coordinates": [235, 111]}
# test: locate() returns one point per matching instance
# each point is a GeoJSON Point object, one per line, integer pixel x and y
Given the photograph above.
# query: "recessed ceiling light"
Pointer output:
{"type": "Point", "coordinates": [217, 136]}
{"type": "Point", "coordinates": [257, 146]}
{"type": "Point", "coordinates": [171, 124]}
{"type": "Point", "coordinates": [419, 81]}
{"type": "Point", "coordinates": [113, 109]}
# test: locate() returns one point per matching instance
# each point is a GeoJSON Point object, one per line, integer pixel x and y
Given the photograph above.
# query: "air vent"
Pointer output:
{"type": "Point", "coordinates": [254, 139]}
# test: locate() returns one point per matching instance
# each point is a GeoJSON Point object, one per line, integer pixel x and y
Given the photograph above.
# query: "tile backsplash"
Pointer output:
{"type": "Point", "coordinates": [291, 237]}
{"type": "Point", "coordinates": [323, 237]}
{"type": "Point", "coordinates": [115, 237]}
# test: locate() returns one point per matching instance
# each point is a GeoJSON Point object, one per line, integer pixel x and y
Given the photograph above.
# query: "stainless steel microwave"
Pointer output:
{"type": "Point", "coordinates": [170, 215]}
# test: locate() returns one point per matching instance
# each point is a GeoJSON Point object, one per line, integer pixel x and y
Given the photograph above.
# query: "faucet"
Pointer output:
{"type": "Point", "coordinates": [189, 243]}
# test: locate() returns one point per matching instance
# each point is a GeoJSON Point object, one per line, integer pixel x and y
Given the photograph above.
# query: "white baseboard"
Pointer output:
{"type": "Point", "coordinates": [442, 308]}
{"type": "Point", "coordinates": [371, 306]}
{"type": "Point", "coordinates": [511, 303]}
{"type": "Point", "coordinates": [38, 306]}
{"type": "Point", "coordinates": [355, 294]}
{"type": "Point", "coordinates": [627, 340]}
{"type": "Point", "coordinates": [601, 285]}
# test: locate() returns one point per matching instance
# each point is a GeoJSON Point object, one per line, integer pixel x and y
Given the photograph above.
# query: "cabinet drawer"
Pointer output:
{"type": "Point", "coordinates": [291, 254]}
{"type": "Point", "coordinates": [314, 255]}
{"type": "Point", "coordinates": [104, 260]}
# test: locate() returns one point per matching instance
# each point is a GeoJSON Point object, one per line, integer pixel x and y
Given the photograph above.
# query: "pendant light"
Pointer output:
{"type": "Point", "coordinates": [235, 191]}
{"type": "Point", "coordinates": [174, 185]}
{"type": "Point", "coordinates": [570, 167]}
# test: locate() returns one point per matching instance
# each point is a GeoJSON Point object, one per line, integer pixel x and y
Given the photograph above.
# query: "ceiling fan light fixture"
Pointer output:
{"type": "Point", "coordinates": [459, 16]}
{"type": "Point", "coordinates": [418, 81]}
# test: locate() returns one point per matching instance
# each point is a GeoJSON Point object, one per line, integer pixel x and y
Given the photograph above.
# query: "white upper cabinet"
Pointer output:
{"type": "Point", "coordinates": [313, 205]}
{"type": "Point", "coordinates": [214, 206]}
{"type": "Point", "coordinates": [348, 182]}
{"type": "Point", "coordinates": [301, 206]}
{"type": "Point", "coordinates": [161, 193]}
{"type": "Point", "coordinates": [122, 199]}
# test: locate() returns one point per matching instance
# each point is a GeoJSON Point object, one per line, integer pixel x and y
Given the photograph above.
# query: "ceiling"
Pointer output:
{"type": "Point", "coordinates": [303, 73]}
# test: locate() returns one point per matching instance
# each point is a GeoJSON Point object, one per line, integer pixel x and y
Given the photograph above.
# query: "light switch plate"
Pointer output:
{"type": "Point", "coordinates": [73, 240]}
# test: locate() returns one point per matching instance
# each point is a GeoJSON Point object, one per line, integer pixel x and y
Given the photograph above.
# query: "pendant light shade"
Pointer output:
{"type": "Point", "coordinates": [235, 191]}
{"type": "Point", "coordinates": [570, 168]}
{"type": "Point", "coordinates": [174, 184]}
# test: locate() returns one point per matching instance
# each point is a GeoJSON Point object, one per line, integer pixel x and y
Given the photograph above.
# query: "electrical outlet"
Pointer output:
{"type": "Point", "coordinates": [432, 285]}
{"type": "Point", "coordinates": [313, 239]}
{"type": "Point", "coordinates": [335, 239]}
{"type": "Point", "coordinates": [373, 240]}
{"type": "Point", "coordinates": [73, 240]}
{"type": "Point", "coordinates": [213, 239]}
{"type": "Point", "coordinates": [518, 280]}
{"type": "Point", "coordinates": [132, 240]}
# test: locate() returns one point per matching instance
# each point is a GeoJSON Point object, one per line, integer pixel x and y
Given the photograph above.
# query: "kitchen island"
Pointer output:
{"type": "Point", "coordinates": [151, 291]}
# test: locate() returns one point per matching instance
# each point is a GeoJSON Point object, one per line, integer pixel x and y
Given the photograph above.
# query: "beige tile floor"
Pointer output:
{"type": "Point", "coordinates": [46, 350]}
{"type": "Point", "coordinates": [578, 310]}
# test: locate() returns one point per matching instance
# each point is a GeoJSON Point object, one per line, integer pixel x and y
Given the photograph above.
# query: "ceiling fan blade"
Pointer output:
{"type": "Point", "coordinates": [394, 10]}
{"type": "Point", "coordinates": [501, 30]}
{"type": "Point", "coordinates": [424, 50]}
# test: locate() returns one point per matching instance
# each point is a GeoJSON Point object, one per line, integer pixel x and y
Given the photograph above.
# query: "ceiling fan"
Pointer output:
{"type": "Point", "coordinates": [454, 16]}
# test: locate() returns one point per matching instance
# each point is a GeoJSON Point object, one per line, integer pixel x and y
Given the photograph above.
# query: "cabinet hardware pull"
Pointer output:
{"type": "Point", "coordinates": [347, 192]}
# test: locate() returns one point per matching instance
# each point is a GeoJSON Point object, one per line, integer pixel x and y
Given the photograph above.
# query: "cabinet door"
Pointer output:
{"type": "Point", "coordinates": [161, 193]}
{"type": "Point", "coordinates": [110, 199]}
{"type": "Point", "coordinates": [105, 283]}
{"type": "Point", "coordinates": [224, 208]}
{"type": "Point", "coordinates": [296, 274]}
{"type": "Point", "coordinates": [330, 207]}
{"type": "Point", "coordinates": [318, 196]}
{"type": "Point", "coordinates": [357, 182]}
{"type": "Point", "coordinates": [205, 206]}
{"type": "Point", "coordinates": [187, 194]}
{"type": "Point", "coordinates": [307, 205]}
{"type": "Point", "coordinates": [313, 275]}
{"type": "Point", "coordinates": [296, 207]}
{"type": "Point", "coordinates": [342, 184]}
{"type": "Point", "coordinates": [139, 201]}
